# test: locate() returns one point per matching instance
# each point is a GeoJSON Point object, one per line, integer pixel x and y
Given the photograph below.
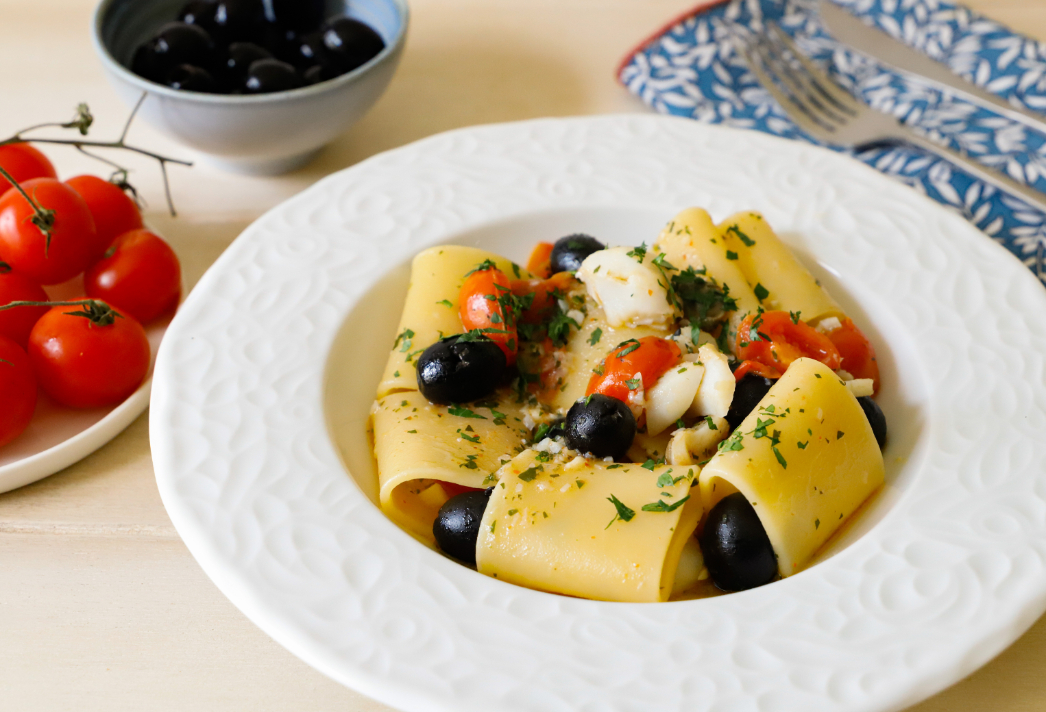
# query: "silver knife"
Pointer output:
{"type": "Point", "coordinates": [870, 40]}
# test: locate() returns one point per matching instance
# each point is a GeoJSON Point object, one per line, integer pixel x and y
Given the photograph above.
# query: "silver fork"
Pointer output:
{"type": "Point", "coordinates": [826, 111]}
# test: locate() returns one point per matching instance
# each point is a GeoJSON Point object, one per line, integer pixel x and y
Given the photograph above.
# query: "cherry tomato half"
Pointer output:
{"type": "Point", "coordinates": [760, 369]}
{"type": "Point", "coordinates": [857, 352]}
{"type": "Point", "coordinates": [113, 210]}
{"type": "Point", "coordinates": [16, 323]}
{"type": "Point", "coordinates": [24, 163]}
{"type": "Point", "coordinates": [649, 357]}
{"type": "Point", "coordinates": [140, 275]}
{"type": "Point", "coordinates": [83, 364]}
{"type": "Point", "coordinates": [774, 339]}
{"type": "Point", "coordinates": [17, 391]}
{"type": "Point", "coordinates": [540, 262]}
{"type": "Point", "coordinates": [545, 292]}
{"type": "Point", "coordinates": [25, 247]}
{"type": "Point", "coordinates": [481, 306]}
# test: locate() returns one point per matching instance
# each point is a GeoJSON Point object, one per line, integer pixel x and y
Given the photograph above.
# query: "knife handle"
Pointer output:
{"type": "Point", "coordinates": [989, 175]}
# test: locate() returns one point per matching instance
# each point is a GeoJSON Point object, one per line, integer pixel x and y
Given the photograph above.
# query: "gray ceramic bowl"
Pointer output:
{"type": "Point", "coordinates": [262, 134]}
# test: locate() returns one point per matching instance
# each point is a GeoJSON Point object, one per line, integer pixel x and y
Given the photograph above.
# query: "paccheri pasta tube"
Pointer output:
{"type": "Point", "coordinates": [611, 532]}
{"type": "Point", "coordinates": [805, 458]}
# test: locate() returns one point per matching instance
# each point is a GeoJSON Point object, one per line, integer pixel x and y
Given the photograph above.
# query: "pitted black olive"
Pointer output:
{"type": "Point", "coordinates": [569, 252]}
{"type": "Point", "coordinates": [189, 78]}
{"type": "Point", "coordinates": [737, 550]}
{"type": "Point", "coordinates": [747, 393]}
{"type": "Point", "coordinates": [269, 75]}
{"type": "Point", "coordinates": [350, 43]}
{"type": "Point", "coordinates": [456, 371]}
{"type": "Point", "coordinates": [876, 419]}
{"type": "Point", "coordinates": [237, 60]}
{"type": "Point", "coordinates": [456, 528]}
{"type": "Point", "coordinates": [298, 15]}
{"type": "Point", "coordinates": [238, 20]}
{"type": "Point", "coordinates": [174, 44]}
{"type": "Point", "coordinates": [601, 425]}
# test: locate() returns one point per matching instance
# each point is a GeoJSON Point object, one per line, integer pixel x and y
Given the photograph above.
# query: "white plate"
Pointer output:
{"type": "Point", "coordinates": [58, 437]}
{"type": "Point", "coordinates": [263, 382]}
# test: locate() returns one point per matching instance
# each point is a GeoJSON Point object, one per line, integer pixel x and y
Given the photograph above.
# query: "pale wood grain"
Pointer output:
{"type": "Point", "coordinates": [101, 606]}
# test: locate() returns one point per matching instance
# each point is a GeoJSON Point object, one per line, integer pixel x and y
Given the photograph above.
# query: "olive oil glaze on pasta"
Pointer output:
{"type": "Point", "coordinates": [628, 423]}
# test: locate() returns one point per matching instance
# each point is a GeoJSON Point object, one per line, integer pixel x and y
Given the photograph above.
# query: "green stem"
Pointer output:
{"type": "Point", "coordinates": [43, 218]}
{"type": "Point", "coordinates": [97, 311]}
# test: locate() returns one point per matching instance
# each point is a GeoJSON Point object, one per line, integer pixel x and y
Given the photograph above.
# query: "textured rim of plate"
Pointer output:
{"type": "Point", "coordinates": [952, 574]}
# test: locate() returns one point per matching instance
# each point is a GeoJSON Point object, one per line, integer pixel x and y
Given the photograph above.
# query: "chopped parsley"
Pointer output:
{"type": "Point", "coordinates": [466, 436]}
{"type": "Point", "coordinates": [447, 303]}
{"type": "Point", "coordinates": [802, 446]}
{"type": "Point", "coordinates": [650, 465]}
{"type": "Point", "coordinates": [595, 337]}
{"type": "Point", "coordinates": [482, 267]}
{"type": "Point", "coordinates": [634, 383]}
{"type": "Point", "coordinates": [639, 254]}
{"type": "Point", "coordinates": [405, 338]}
{"type": "Point", "coordinates": [661, 506]}
{"type": "Point", "coordinates": [630, 344]}
{"type": "Point", "coordinates": [839, 434]}
{"type": "Point", "coordinates": [541, 432]}
{"type": "Point", "coordinates": [731, 255]}
{"type": "Point", "coordinates": [794, 315]}
{"type": "Point", "coordinates": [470, 463]}
{"type": "Point", "coordinates": [749, 242]}
{"type": "Point", "coordinates": [710, 423]}
{"type": "Point", "coordinates": [702, 301]}
{"type": "Point", "coordinates": [624, 513]}
{"type": "Point", "coordinates": [817, 523]}
{"type": "Point", "coordinates": [761, 292]}
{"type": "Point", "coordinates": [779, 456]}
{"type": "Point", "coordinates": [463, 412]}
{"type": "Point", "coordinates": [529, 474]}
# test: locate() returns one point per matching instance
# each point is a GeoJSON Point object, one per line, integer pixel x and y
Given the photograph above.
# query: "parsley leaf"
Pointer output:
{"type": "Point", "coordinates": [731, 255]}
{"type": "Point", "coordinates": [749, 242]}
{"type": "Point", "coordinates": [761, 292]}
{"type": "Point", "coordinates": [632, 345]}
{"type": "Point", "coordinates": [482, 267]}
{"type": "Point", "coordinates": [595, 337]}
{"type": "Point", "coordinates": [463, 412]}
{"type": "Point", "coordinates": [528, 474]}
{"type": "Point", "coordinates": [405, 337]}
{"type": "Point", "coordinates": [638, 253]}
{"type": "Point", "coordinates": [623, 512]}
{"type": "Point", "coordinates": [634, 383]}
{"type": "Point", "coordinates": [661, 506]}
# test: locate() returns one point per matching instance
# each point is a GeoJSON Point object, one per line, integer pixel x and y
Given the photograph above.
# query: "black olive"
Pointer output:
{"type": "Point", "coordinates": [747, 394]}
{"type": "Point", "coordinates": [237, 60]}
{"type": "Point", "coordinates": [457, 524]}
{"type": "Point", "coordinates": [601, 425]}
{"type": "Point", "coordinates": [569, 252]}
{"type": "Point", "coordinates": [876, 418]}
{"type": "Point", "coordinates": [238, 20]}
{"type": "Point", "coordinates": [173, 44]}
{"type": "Point", "coordinates": [308, 51]}
{"type": "Point", "coordinates": [199, 12]}
{"type": "Point", "coordinates": [455, 371]}
{"type": "Point", "coordinates": [189, 78]}
{"type": "Point", "coordinates": [350, 43]}
{"type": "Point", "coordinates": [297, 15]}
{"type": "Point", "coordinates": [737, 550]}
{"type": "Point", "coordinates": [269, 75]}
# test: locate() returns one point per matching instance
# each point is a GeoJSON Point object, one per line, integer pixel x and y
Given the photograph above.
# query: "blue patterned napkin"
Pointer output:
{"type": "Point", "coordinates": [691, 70]}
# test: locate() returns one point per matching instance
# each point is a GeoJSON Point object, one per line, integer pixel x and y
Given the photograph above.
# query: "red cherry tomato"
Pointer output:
{"type": "Point", "coordinates": [25, 247]}
{"type": "Point", "coordinates": [83, 364]}
{"type": "Point", "coordinates": [24, 163]}
{"type": "Point", "coordinates": [545, 292]}
{"type": "Point", "coordinates": [649, 357]}
{"type": "Point", "coordinates": [481, 306]}
{"type": "Point", "coordinates": [140, 274]}
{"type": "Point", "coordinates": [17, 391]}
{"type": "Point", "coordinates": [772, 338]}
{"type": "Point", "coordinates": [113, 210]}
{"type": "Point", "coordinates": [857, 352]}
{"type": "Point", "coordinates": [540, 262]}
{"type": "Point", "coordinates": [760, 369]}
{"type": "Point", "coordinates": [16, 323]}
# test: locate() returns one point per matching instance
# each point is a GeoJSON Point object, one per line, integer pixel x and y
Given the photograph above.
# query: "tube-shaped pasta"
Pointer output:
{"type": "Point", "coordinates": [691, 239]}
{"type": "Point", "coordinates": [768, 264]}
{"type": "Point", "coordinates": [556, 527]}
{"type": "Point", "coordinates": [431, 309]}
{"type": "Point", "coordinates": [805, 457]}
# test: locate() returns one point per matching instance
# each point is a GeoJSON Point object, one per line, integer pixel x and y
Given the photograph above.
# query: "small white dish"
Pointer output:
{"type": "Point", "coordinates": [58, 437]}
{"type": "Point", "coordinates": [263, 382]}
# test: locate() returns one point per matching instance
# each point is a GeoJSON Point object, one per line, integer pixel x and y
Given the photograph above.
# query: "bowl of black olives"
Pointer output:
{"type": "Point", "coordinates": [254, 86]}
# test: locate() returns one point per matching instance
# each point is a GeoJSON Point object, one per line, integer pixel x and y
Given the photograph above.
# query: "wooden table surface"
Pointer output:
{"type": "Point", "coordinates": [101, 605]}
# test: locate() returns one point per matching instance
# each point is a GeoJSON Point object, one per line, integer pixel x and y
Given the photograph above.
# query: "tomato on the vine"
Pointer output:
{"type": "Point", "coordinates": [88, 356]}
{"type": "Point", "coordinates": [482, 305]}
{"type": "Point", "coordinates": [139, 274]}
{"type": "Point", "coordinates": [26, 247]}
{"type": "Point", "coordinates": [24, 163]}
{"type": "Point", "coordinates": [16, 323]}
{"type": "Point", "coordinates": [777, 338]}
{"type": "Point", "coordinates": [17, 390]}
{"type": "Point", "coordinates": [113, 210]}
{"type": "Point", "coordinates": [633, 365]}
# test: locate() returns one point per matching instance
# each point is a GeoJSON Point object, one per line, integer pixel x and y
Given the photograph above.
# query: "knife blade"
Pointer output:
{"type": "Point", "coordinates": [870, 40]}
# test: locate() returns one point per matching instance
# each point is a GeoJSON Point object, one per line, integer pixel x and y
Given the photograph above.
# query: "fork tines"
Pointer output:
{"type": "Point", "coordinates": [808, 96]}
